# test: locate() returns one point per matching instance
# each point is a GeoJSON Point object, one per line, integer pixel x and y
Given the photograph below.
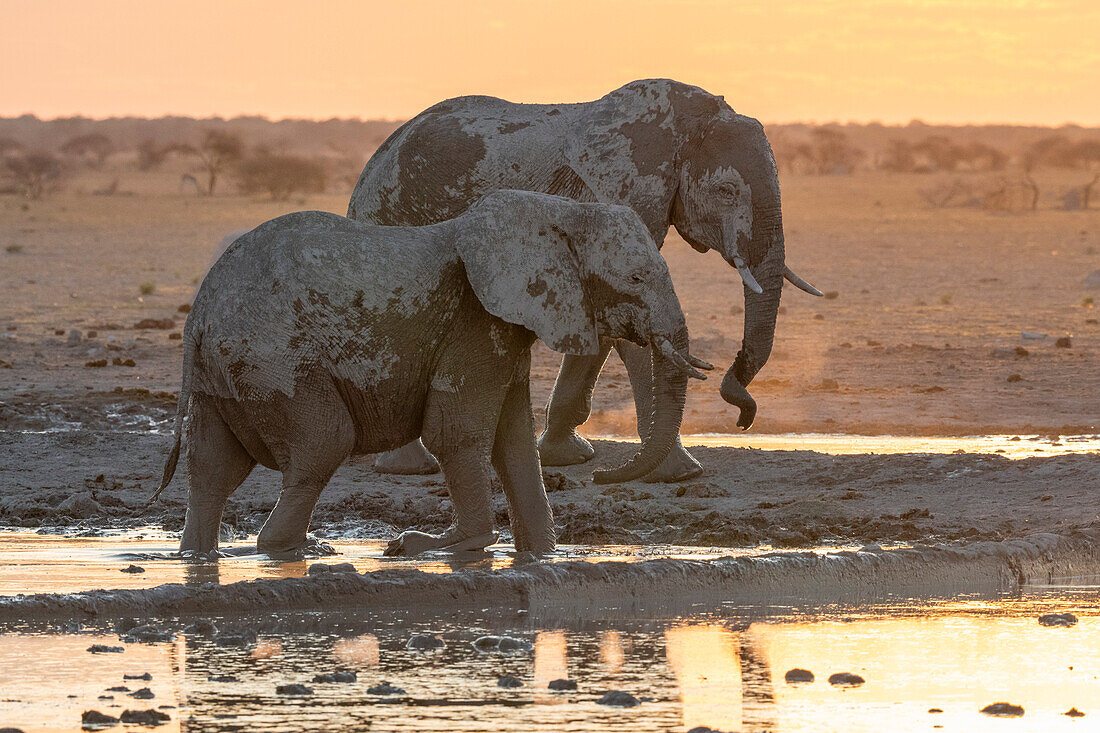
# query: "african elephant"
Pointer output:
{"type": "Point", "coordinates": [315, 337]}
{"type": "Point", "coordinates": [674, 153]}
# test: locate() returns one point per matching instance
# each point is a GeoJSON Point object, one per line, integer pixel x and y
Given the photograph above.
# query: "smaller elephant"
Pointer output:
{"type": "Point", "coordinates": [315, 337]}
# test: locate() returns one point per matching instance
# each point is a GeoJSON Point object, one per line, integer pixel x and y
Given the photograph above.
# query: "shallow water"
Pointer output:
{"type": "Point", "coordinates": [723, 668]}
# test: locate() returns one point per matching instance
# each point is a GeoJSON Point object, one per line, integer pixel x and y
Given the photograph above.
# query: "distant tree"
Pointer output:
{"type": "Point", "coordinates": [981, 157]}
{"type": "Point", "coordinates": [150, 155]}
{"type": "Point", "coordinates": [898, 157]}
{"type": "Point", "coordinates": [938, 152]}
{"type": "Point", "coordinates": [833, 153]}
{"type": "Point", "coordinates": [93, 148]}
{"type": "Point", "coordinates": [281, 175]}
{"type": "Point", "coordinates": [9, 146]}
{"type": "Point", "coordinates": [217, 150]}
{"type": "Point", "coordinates": [35, 172]}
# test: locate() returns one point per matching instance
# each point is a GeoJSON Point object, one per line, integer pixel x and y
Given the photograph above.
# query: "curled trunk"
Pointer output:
{"type": "Point", "coordinates": [669, 393]}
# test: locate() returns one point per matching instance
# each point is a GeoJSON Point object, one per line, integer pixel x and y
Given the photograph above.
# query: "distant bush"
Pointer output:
{"type": "Point", "coordinates": [36, 173]}
{"type": "Point", "coordinates": [148, 288]}
{"type": "Point", "coordinates": [92, 148]}
{"type": "Point", "coordinates": [280, 176]}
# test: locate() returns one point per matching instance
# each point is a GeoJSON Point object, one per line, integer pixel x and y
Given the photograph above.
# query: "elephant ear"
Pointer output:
{"type": "Point", "coordinates": [528, 274]}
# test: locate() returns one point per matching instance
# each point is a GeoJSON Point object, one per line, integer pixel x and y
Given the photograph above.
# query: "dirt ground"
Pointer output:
{"type": "Point", "coordinates": [922, 335]}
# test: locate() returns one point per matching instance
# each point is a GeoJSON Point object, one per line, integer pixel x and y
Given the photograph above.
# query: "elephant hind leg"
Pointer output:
{"type": "Point", "coordinates": [217, 464]}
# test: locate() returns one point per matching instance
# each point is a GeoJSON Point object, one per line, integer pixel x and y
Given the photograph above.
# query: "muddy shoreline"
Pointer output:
{"type": "Point", "coordinates": [580, 587]}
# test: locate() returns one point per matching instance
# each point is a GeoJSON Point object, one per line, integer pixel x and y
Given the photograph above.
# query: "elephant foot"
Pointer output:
{"type": "Point", "coordinates": [679, 465]}
{"type": "Point", "coordinates": [413, 543]}
{"type": "Point", "coordinates": [564, 449]}
{"type": "Point", "coordinates": [408, 460]}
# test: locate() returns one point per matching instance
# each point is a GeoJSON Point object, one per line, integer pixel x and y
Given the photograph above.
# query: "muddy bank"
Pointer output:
{"type": "Point", "coordinates": [841, 577]}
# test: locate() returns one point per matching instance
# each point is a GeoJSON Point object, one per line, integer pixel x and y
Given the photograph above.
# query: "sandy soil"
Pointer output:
{"type": "Point", "coordinates": [921, 338]}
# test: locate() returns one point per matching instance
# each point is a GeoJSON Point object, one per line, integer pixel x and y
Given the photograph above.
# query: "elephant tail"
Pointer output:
{"type": "Point", "coordinates": [189, 350]}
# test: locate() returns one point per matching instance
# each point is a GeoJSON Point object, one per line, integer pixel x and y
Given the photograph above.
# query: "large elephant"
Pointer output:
{"type": "Point", "coordinates": [674, 153]}
{"type": "Point", "coordinates": [315, 337]}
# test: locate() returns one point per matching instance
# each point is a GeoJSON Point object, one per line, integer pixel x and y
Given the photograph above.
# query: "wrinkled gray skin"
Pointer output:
{"type": "Point", "coordinates": [316, 337]}
{"type": "Point", "coordinates": [674, 153]}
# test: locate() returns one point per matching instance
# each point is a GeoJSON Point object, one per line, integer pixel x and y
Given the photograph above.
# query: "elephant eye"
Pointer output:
{"type": "Point", "coordinates": [729, 189]}
{"type": "Point", "coordinates": [638, 278]}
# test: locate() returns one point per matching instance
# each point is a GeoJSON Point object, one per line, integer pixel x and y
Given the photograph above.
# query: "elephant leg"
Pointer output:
{"type": "Point", "coordinates": [323, 438]}
{"type": "Point", "coordinates": [459, 429]}
{"type": "Point", "coordinates": [411, 459]}
{"type": "Point", "coordinates": [516, 460]}
{"type": "Point", "coordinates": [217, 464]}
{"type": "Point", "coordinates": [679, 465]}
{"type": "Point", "coordinates": [569, 406]}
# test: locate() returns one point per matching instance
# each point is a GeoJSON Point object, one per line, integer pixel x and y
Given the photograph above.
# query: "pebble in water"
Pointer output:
{"type": "Point", "coordinates": [501, 645]}
{"type": "Point", "coordinates": [509, 681]}
{"type": "Point", "coordinates": [148, 634]}
{"type": "Point", "coordinates": [618, 699]}
{"type": "Point", "coordinates": [148, 718]}
{"type": "Point", "coordinates": [846, 679]}
{"type": "Point", "coordinates": [798, 675]}
{"type": "Point", "coordinates": [202, 627]}
{"type": "Point", "coordinates": [385, 689]}
{"type": "Point", "coordinates": [294, 690]}
{"type": "Point", "coordinates": [118, 688]}
{"type": "Point", "coordinates": [1074, 713]}
{"type": "Point", "coordinates": [336, 677]}
{"type": "Point", "coordinates": [1057, 619]}
{"type": "Point", "coordinates": [143, 694]}
{"type": "Point", "coordinates": [1003, 710]}
{"type": "Point", "coordinates": [935, 710]}
{"type": "Point", "coordinates": [319, 568]}
{"type": "Point", "coordinates": [424, 643]}
{"type": "Point", "coordinates": [222, 678]}
{"type": "Point", "coordinates": [144, 676]}
{"type": "Point", "coordinates": [562, 685]}
{"type": "Point", "coordinates": [235, 638]}
{"type": "Point", "coordinates": [104, 649]}
{"type": "Point", "coordinates": [133, 569]}
{"type": "Point", "coordinates": [95, 718]}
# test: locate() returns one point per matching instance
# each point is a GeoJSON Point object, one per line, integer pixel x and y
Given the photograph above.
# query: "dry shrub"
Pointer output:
{"type": "Point", "coordinates": [35, 173]}
{"type": "Point", "coordinates": [280, 176]}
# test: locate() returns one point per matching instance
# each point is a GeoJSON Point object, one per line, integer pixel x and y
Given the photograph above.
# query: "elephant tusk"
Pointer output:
{"type": "Point", "coordinates": [697, 362]}
{"type": "Point", "coordinates": [800, 283]}
{"type": "Point", "coordinates": [743, 270]}
{"type": "Point", "coordinates": [666, 349]}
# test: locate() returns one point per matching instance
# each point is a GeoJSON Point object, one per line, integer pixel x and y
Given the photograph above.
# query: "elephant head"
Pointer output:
{"type": "Point", "coordinates": [574, 273]}
{"type": "Point", "coordinates": [728, 200]}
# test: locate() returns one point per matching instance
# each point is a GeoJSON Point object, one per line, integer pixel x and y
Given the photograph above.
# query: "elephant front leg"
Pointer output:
{"type": "Point", "coordinates": [679, 465]}
{"type": "Point", "coordinates": [570, 406]}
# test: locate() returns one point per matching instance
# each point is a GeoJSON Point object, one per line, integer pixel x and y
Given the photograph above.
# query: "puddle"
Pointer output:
{"type": "Point", "coordinates": [33, 563]}
{"type": "Point", "coordinates": [723, 669]}
{"type": "Point", "coordinates": [841, 444]}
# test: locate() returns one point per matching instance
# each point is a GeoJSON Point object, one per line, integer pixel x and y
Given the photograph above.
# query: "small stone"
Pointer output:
{"type": "Point", "coordinates": [424, 643]}
{"type": "Point", "coordinates": [1003, 710]}
{"type": "Point", "coordinates": [104, 649]}
{"type": "Point", "coordinates": [294, 690]}
{"type": "Point", "coordinates": [144, 676]}
{"type": "Point", "coordinates": [96, 718]}
{"type": "Point", "coordinates": [336, 677]}
{"type": "Point", "coordinates": [508, 681]}
{"type": "Point", "coordinates": [96, 363]}
{"type": "Point", "coordinates": [801, 675]}
{"type": "Point", "coordinates": [132, 569]}
{"type": "Point", "coordinates": [319, 568]}
{"type": "Point", "coordinates": [80, 506]}
{"type": "Point", "coordinates": [149, 717]}
{"type": "Point", "coordinates": [148, 634]}
{"type": "Point", "coordinates": [846, 679]}
{"type": "Point", "coordinates": [1074, 713]}
{"type": "Point", "coordinates": [222, 678]}
{"type": "Point", "coordinates": [501, 645]}
{"type": "Point", "coordinates": [562, 685]}
{"type": "Point", "coordinates": [1014, 378]}
{"type": "Point", "coordinates": [1063, 342]}
{"type": "Point", "coordinates": [1057, 619]}
{"type": "Point", "coordinates": [175, 336]}
{"type": "Point", "coordinates": [234, 638]}
{"type": "Point", "coordinates": [935, 710]}
{"type": "Point", "coordinates": [119, 361]}
{"type": "Point", "coordinates": [385, 689]}
{"type": "Point", "coordinates": [618, 699]}
{"type": "Point", "coordinates": [185, 308]}
{"type": "Point", "coordinates": [831, 295]}
{"type": "Point", "coordinates": [155, 323]}
{"type": "Point", "coordinates": [118, 688]}
{"type": "Point", "coordinates": [143, 694]}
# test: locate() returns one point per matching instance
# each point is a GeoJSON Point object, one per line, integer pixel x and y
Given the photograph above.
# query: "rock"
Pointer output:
{"type": "Point", "coordinates": [501, 645]}
{"type": "Point", "coordinates": [143, 694]}
{"type": "Point", "coordinates": [104, 649]}
{"type": "Point", "coordinates": [1014, 378]}
{"type": "Point", "coordinates": [119, 361]}
{"type": "Point", "coordinates": [185, 308]}
{"type": "Point", "coordinates": [846, 679]}
{"type": "Point", "coordinates": [1072, 713]}
{"type": "Point", "coordinates": [118, 688]}
{"type": "Point", "coordinates": [1063, 342]}
{"type": "Point", "coordinates": [202, 627]}
{"type": "Point", "coordinates": [149, 717]}
{"type": "Point", "coordinates": [132, 569]}
{"type": "Point", "coordinates": [935, 710]}
{"type": "Point", "coordinates": [294, 690]}
{"type": "Point", "coordinates": [562, 685]}
{"type": "Point", "coordinates": [319, 568]}
{"type": "Point", "coordinates": [618, 699]}
{"type": "Point", "coordinates": [1092, 282]}
{"type": "Point", "coordinates": [336, 677]}
{"type": "Point", "coordinates": [148, 634]}
{"type": "Point", "coordinates": [162, 324]}
{"type": "Point", "coordinates": [92, 718]}
{"type": "Point", "coordinates": [703, 729]}
{"type": "Point", "coordinates": [508, 681]}
{"type": "Point", "coordinates": [75, 337]}
{"type": "Point", "coordinates": [831, 295]}
{"type": "Point", "coordinates": [1057, 619]}
{"type": "Point", "coordinates": [96, 363]}
{"type": "Point", "coordinates": [11, 730]}
{"type": "Point", "coordinates": [144, 676]}
{"type": "Point", "coordinates": [385, 689]}
{"type": "Point", "coordinates": [424, 643]}
{"type": "Point", "coordinates": [800, 675]}
{"type": "Point", "coordinates": [1003, 710]}
{"type": "Point", "coordinates": [80, 506]}
{"type": "Point", "coordinates": [235, 638]}
{"type": "Point", "coordinates": [222, 678]}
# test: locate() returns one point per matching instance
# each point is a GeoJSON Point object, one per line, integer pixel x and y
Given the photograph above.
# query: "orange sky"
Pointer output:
{"type": "Point", "coordinates": [1027, 61]}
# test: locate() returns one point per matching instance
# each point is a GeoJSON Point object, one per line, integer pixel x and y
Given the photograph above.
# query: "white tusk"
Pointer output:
{"type": "Point", "coordinates": [670, 353]}
{"type": "Point", "coordinates": [800, 283]}
{"type": "Point", "coordinates": [743, 269]}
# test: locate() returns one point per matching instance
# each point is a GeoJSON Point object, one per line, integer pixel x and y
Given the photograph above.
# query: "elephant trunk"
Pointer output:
{"type": "Point", "coordinates": [669, 393]}
{"type": "Point", "coordinates": [766, 258]}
